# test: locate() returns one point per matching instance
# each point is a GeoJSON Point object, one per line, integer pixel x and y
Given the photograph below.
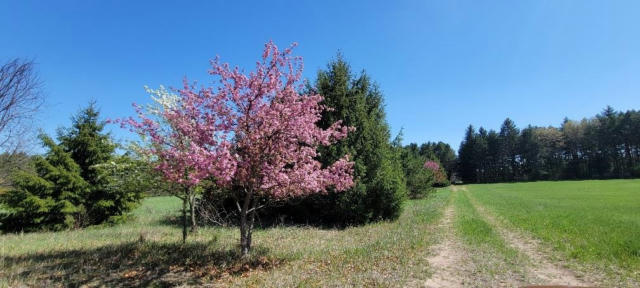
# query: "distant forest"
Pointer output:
{"type": "Point", "coordinates": [602, 147]}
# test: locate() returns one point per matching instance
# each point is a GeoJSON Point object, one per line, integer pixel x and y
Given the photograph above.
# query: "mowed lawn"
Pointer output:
{"type": "Point", "coordinates": [148, 252]}
{"type": "Point", "coordinates": [596, 223]}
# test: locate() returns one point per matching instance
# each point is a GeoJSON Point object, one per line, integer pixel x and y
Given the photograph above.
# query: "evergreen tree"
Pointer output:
{"type": "Point", "coordinates": [78, 182]}
{"type": "Point", "coordinates": [380, 185]}
{"type": "Point", "coordinates": [467, 160]}
{"type": "Point", "coordinates": [86, 142]}
{"type": "Point", "coordinates": [50, 199]}
{"type": "Point", "coordinates": [605, 146]}
{"type": "Point", "coordinates": [419, 180]}
{"type": "Point", "coordinates": [509, 149]}
{"type": "Point", "coordinates": [530, 153]}
{"type": "Point", "coordinates": [89, 146]}
{"type": "Point", "coordinates": [481, 156]}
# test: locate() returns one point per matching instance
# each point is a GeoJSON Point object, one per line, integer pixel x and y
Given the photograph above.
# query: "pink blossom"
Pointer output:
{"type": "Point", "coordinates": [432, 165]}
{"type": "Point", "coordinates": [253, 130]}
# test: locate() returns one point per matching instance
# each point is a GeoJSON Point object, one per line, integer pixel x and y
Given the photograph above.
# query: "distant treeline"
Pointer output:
{"type": "Point", "coordinates": [605, 146]}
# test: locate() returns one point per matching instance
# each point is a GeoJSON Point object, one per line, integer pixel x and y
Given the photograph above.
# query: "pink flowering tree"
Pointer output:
{"type": "Point", "coordinates": [254, 133]}
{"type": "Point", "coordinates": [184, 135]}
{"type": "Point", "coordinates": [431, 165]}
{"type": "Point", "coordinates": [439, 175]}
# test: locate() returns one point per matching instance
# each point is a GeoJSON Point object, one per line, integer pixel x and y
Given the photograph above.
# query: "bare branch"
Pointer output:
{"type": "Point", "coordinates": [20, 100]}
{"type": "Point", "coordinates": [256, 208]}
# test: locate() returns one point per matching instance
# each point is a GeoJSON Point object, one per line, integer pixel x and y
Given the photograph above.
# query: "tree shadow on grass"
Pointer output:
{"type": "Point", "coordinates": [134, 264]}
{"type": "Point", "coordinates": [262, 222]}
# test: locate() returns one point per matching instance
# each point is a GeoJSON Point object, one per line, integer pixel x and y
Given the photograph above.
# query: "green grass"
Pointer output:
{"type": "Point", "coordinates": [473, 229]}
{"type": "Point", "coordinates": [147, 252]}
{"type": "Point", "coordinates": [491, 254]}
{"type": "Point", "coordinates": [592, 222]}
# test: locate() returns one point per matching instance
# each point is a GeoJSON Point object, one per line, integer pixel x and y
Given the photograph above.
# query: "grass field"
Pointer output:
{"type": "Point", "coordinates": [595, 223]}
{"type": "Point", "coordinates": [148, 252]}
{"type": "Point", "coordinates": [498, 235]}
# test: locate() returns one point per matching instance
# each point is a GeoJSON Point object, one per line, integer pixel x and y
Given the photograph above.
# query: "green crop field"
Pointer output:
{"type": "Point", "coordinates": [594, 223]}
{"type": "Point", "coordinates": [494, 235]}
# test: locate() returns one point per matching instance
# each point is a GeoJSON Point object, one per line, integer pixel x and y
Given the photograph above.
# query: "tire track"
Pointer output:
{"type": "Point", "coordinates": [454, 263]}
{"type": "Point", "coordinates": [449, 258]}
{"type": "Point", "coordinates": [543, 269]}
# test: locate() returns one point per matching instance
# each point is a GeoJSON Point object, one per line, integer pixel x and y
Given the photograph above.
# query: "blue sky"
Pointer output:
{"type": "Point", "coordinates": [441, 64]}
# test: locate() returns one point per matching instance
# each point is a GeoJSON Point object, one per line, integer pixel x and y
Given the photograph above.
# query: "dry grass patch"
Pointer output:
{"type": "Point", "coordinates": [148, 252]}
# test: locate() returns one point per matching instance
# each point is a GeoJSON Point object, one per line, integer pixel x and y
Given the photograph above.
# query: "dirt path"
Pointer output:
{"type": "Point", "coordinates": [449, 259]}
{"type": "Point", "coordinates": [543, 270]}
{"type": "Point", "coordinates": [458, 265]}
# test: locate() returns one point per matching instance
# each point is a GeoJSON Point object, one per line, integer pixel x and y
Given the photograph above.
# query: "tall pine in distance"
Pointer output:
{"type": "Point", "coordinates": [466, 156]}
{"type": "Point", "coordinates": [509, 149]}
{"type": "Point", "coordinates": [601, 147]}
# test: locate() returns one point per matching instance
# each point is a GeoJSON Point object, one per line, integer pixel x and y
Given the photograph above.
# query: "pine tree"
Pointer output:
{"type": "Point", "coordinates": [50, 199]}
{"type": "Point", "coordinates": [509, 135]}
{"type": "Point", "coordinates": [380, 185]}
{"type": "Point", "coordinates": [481, 156]}
{"type": "Point", "coordinates": [86, 142]}
{"type": "Point", "coordinates": [466, 158]}
{"type": "Point", "coordinates": [78, 182]}
{"type": "Point", "coordinates": [89, 146]}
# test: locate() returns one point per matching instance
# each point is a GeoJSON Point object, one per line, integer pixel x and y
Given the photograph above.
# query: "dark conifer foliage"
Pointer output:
{"type": "Point", "coordinates": [80, 181]}
{"type": "Point", "coordinates": [380, 185]}
{"type": "Point", "coordinates": [51, 198]}
{"type": "Point", "coordinates": [602, 147]}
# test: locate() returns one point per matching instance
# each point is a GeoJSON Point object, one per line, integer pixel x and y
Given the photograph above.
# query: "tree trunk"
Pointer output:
{"type": "Point", "coordinates": [252, 217]}
{"type": "Point", "coordinates": [245, 229]}
{"type": "Point", "coordinates": [184, 219]}
{"type": "Point", "coordinates": [192, 208]}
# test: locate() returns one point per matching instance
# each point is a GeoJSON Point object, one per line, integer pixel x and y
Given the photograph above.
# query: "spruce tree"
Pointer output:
{"type": "Point", "coordinates": [50, 199]}
{"type": "Point", "coordinates": [466, 156]}
{"type": "Point", "coordinates": [509, 138]}
{"type": "Point", "coordinates": [89, 146]}
{"type": "Point", "coordinates": [380, 185]}
{"type": "Point", "coordinates": [78, 182]}
{"type": "Point", "coordinates": [87, 143]}
{"type": "Point", "coordinates": [110, 196]}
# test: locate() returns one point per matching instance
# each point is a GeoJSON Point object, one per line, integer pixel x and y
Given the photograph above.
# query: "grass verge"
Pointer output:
{"type": "Point", "coordinates": [148, 252]}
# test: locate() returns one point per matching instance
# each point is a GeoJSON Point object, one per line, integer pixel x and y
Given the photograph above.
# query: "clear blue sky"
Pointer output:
{"type": "Point", "coordinates": [441, 64]}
